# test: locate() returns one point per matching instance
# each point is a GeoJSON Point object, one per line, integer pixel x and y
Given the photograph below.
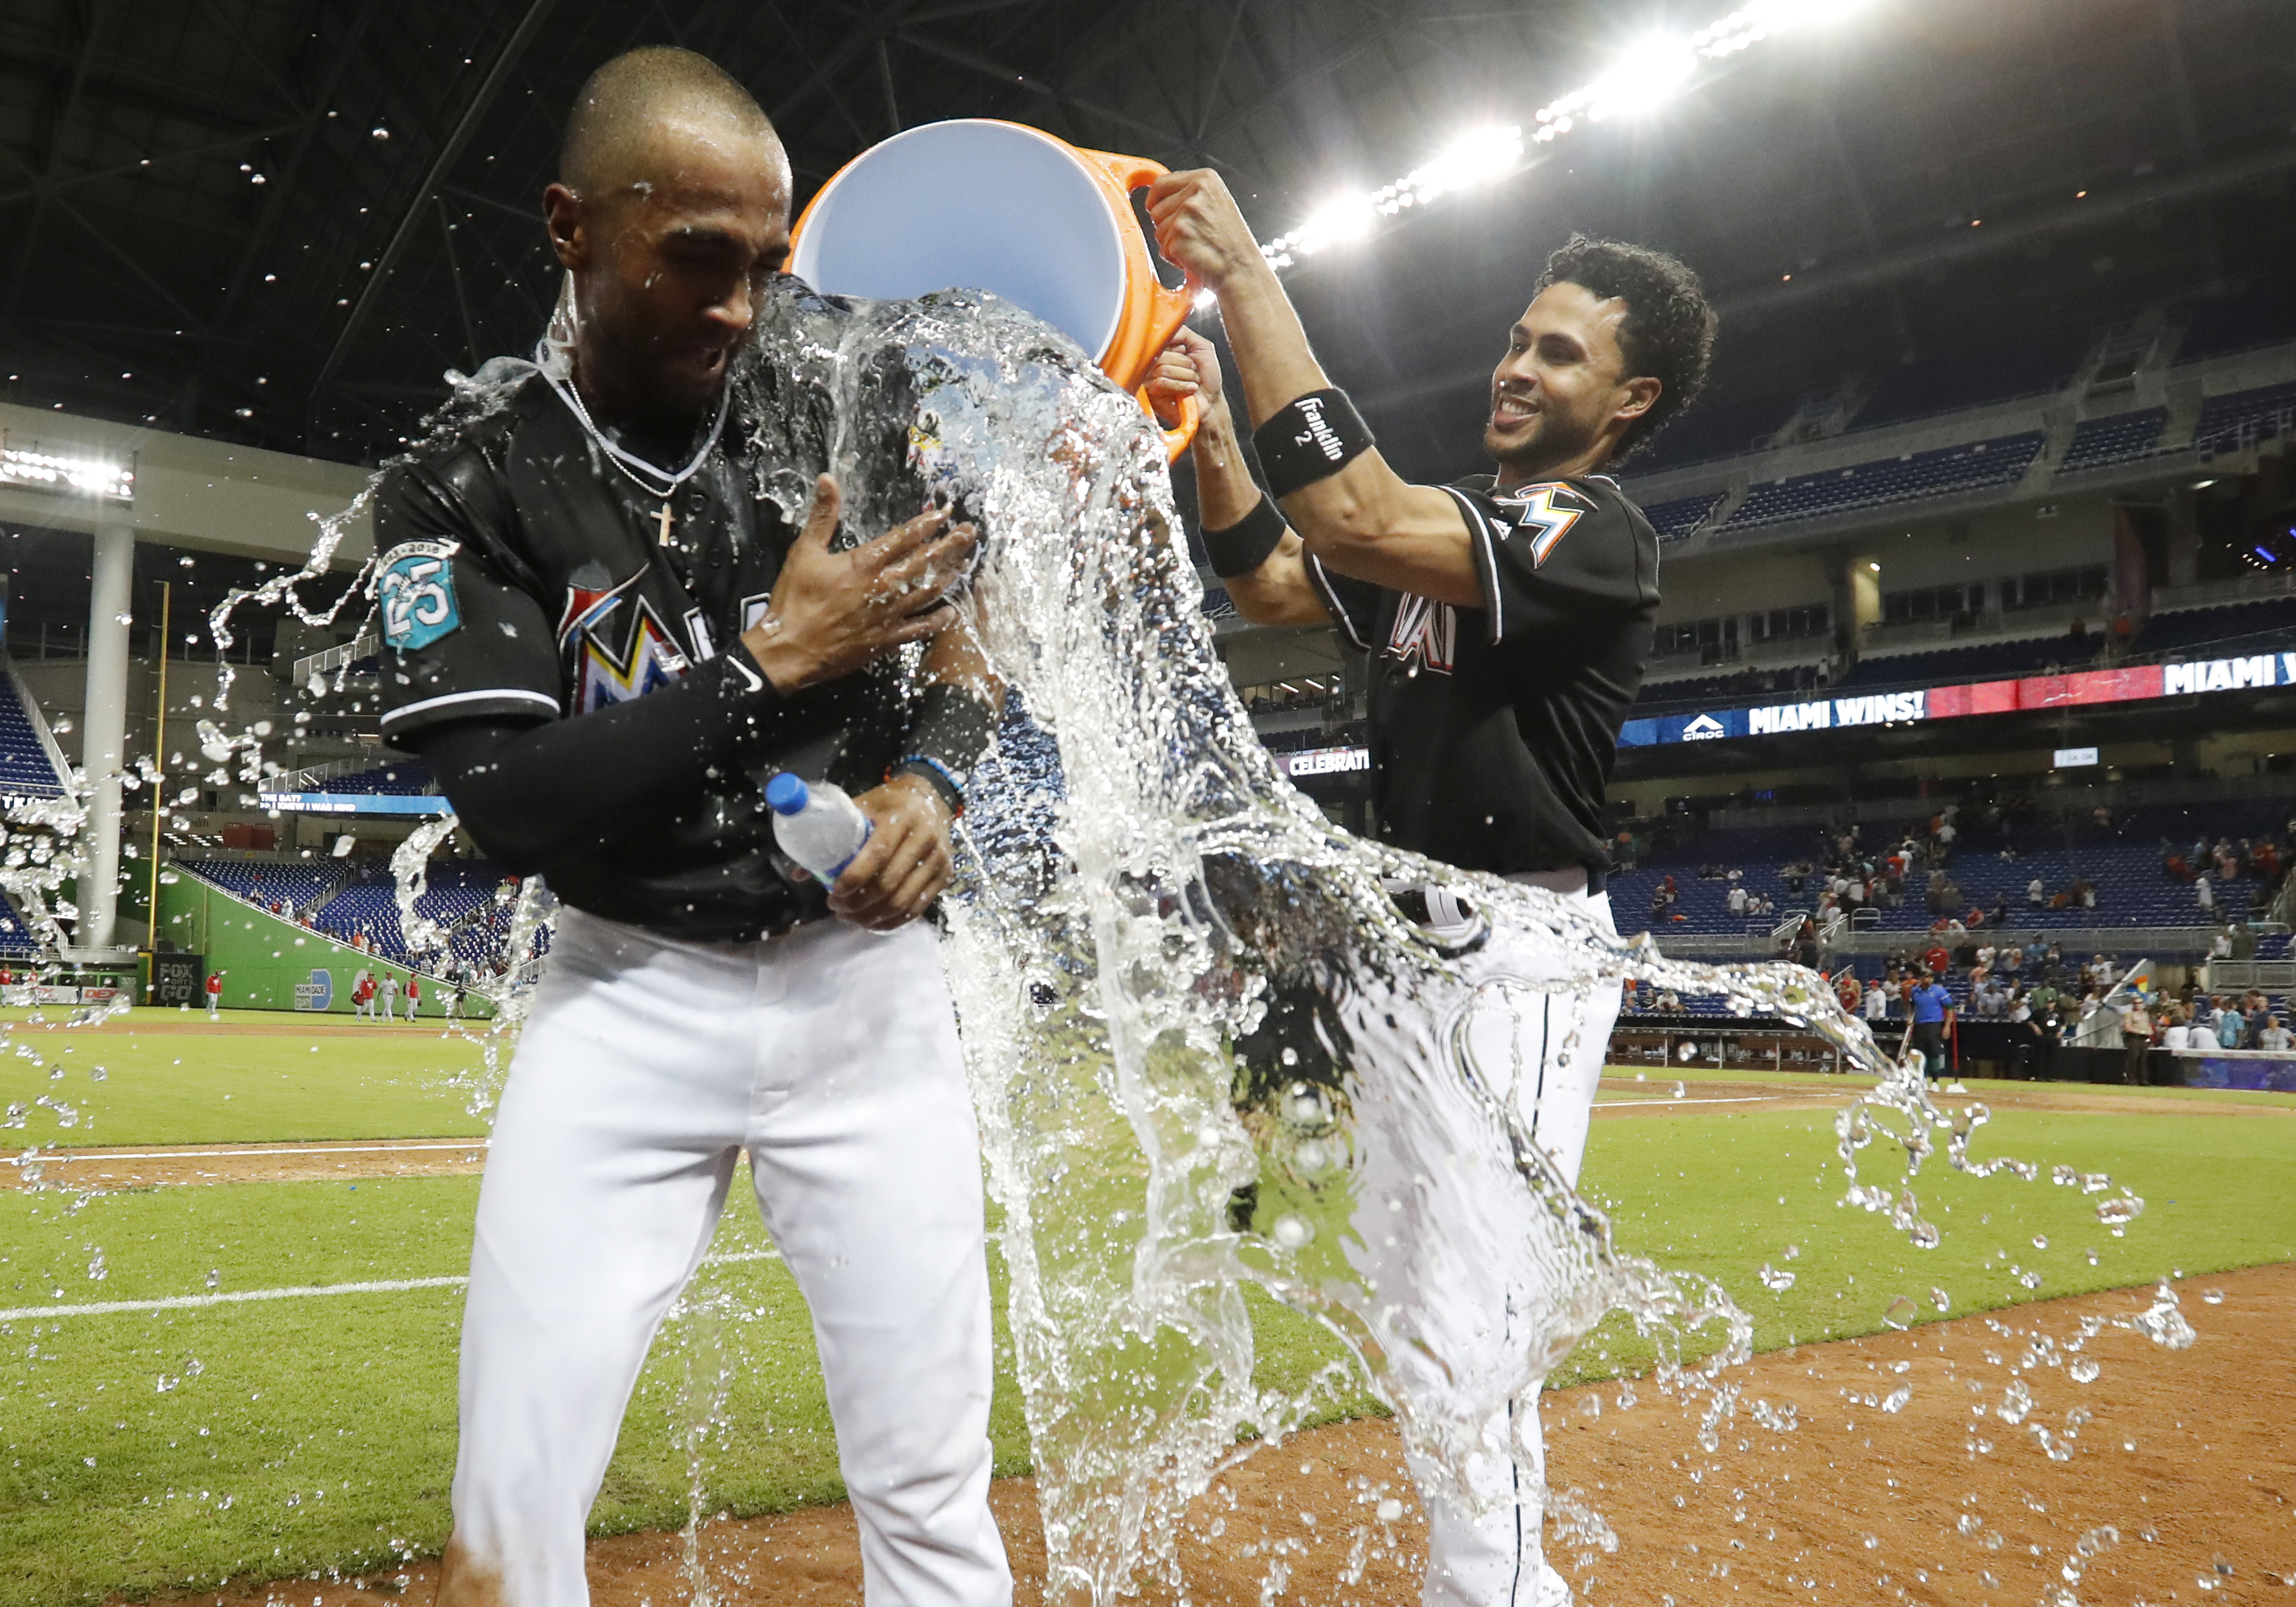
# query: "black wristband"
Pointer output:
{"type": "Point", "coordinates": [1309, 438]}
{"type": "Point", "coordinates": [1244, 545]}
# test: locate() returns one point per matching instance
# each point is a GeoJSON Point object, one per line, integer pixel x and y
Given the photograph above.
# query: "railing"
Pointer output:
{"type": "Point", "coordinates": [2184, 941]}
{"type": "Point", "coordinates": [2077, 795]}
{"type": "Point", "coordinates": [2282, 913]}
{"type": "Point", "coordinates": [2273, 976]}
{"type": "Point", "coordinates": [335, 658]}
{"type": "Point", "coordinates": [308, 780]}
{"type": "Point", "coordinates": [1960, 425]}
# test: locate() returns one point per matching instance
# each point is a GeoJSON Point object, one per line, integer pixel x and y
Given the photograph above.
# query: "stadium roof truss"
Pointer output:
{"type": "Point", "coordinates": [279, 221]}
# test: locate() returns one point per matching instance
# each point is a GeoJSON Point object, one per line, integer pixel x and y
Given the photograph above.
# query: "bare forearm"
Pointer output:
{"type": "Point", "coordinates": [1272, 353]}
{"type": "Point", "coordinates": [1366, 520]}
{"type": "Point", "coordinates": [1225, 489]}
{"type": "Point", "coordinates": [1279, 592]}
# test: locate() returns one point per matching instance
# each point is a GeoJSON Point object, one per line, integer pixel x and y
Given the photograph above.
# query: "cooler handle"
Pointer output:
{"type": "Point", "coordinates": [1168, 307]}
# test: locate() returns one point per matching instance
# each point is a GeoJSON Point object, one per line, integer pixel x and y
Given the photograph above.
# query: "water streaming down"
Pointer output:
{"type": "Point", "coordinates": [1140, 885]}
{"type": "Point", "coordinates": [1209, 1054]}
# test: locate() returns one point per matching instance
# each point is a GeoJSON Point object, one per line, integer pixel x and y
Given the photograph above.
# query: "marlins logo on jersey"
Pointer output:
{"type": "Point", "coordinates": [1537, 515]}
{"type": "Point", "coordinates": [606, 666]}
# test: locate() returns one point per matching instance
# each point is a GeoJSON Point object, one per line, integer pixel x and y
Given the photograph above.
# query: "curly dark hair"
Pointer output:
{"type": "Point", "coordinates": [1667, 334]}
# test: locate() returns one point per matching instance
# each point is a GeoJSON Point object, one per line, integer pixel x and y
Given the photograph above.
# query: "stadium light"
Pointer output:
{"type": "Point", "coordinates": [1474, 158]}
{"type": "Point", "coordinates": [1650, 74]}
{"type": "Point", "coordinates": [1647, 75]}
{"type": "Point", "coordinates": [52, 472]}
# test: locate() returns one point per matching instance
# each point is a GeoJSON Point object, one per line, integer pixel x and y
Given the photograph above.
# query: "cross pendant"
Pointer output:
{"type": "Point", "coordinates": [663, 519]}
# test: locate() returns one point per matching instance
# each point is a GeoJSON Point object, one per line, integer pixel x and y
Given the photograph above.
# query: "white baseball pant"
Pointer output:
{"type": "Point", "coordinates": [648, 1064]}
{"type": "Point", "coordinates": [1499, 1560]}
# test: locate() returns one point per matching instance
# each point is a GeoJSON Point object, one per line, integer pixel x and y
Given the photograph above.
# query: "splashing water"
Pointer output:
{"type": "Point", "coordinates": [1193, 1016]}
{"type": "Point", "coordinates": [1209, 1054]}
{"type": "Point", "coordinates": [699, 1413]}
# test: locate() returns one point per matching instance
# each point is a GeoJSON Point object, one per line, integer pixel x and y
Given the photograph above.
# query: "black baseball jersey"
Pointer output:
{"type": "Point", "coordinates": [524, 577]}
{"type": "Point", "coordinates": [1493, 730]}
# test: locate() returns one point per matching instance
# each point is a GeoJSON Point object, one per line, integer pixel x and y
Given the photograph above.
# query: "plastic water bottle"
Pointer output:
{"type": "Point", "coordinates": [817, 825]}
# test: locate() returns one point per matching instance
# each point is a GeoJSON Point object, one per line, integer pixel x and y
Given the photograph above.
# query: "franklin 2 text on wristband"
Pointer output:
{"type": "Point", "coordinates": [1309, 439]}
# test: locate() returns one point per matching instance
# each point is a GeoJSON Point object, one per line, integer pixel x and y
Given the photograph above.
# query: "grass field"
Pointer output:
{"type": "Point", "coordinates": [168, 1077]}
{"type": "Point", "coordinates": [154, 1449]}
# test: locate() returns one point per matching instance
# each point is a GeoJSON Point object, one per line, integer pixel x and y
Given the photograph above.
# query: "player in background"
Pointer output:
{"type": "Point", "coordinates": [389, 996]}
{"type": "Point", "coordinates": [602, 639]}
{"type": "Point", "coordinates": [215, 995]}
{"type": "Point", "coordinates": [1508, 618]}
{"type": "Point", "coordinates": [413, 995]}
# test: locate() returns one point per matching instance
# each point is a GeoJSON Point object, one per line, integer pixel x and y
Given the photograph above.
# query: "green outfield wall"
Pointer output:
{"type": "Point", "coordinates": [269, 963]}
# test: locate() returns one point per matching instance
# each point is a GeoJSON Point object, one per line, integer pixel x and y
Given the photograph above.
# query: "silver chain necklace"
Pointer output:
{"type": "Point", "coordinates": [637, 469]}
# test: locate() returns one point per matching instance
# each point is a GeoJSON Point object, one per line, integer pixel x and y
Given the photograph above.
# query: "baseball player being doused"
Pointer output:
{"type": "Point", "coordinates": [600, 638]}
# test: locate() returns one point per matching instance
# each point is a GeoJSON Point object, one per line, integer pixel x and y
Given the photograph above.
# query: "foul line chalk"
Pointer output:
{"type": "Point", "coordinates": [58, 1157]}
{"type": "Point", "coordinates": [1661, 1099]}
{"type": "Point", "coordinates": [188, 1302]}
{"type": "Point", "coordinates": [194, 1302]}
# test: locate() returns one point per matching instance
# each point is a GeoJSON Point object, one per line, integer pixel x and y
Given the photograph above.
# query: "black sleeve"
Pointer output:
{"type": "Point", "coordinates": [1555, 555]}
{"type": "Point", "coordinates": [951, 729]}
{"type": "Point", "coordinates": [1352, 604]}
{"type": "Point", "coordinates": [462, 638]}
{"type": "Point", "coordinates": [533, 795]}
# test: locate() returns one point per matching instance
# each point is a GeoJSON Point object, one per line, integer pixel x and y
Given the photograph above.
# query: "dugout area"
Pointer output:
{"type": "Point", "coordinates": [203, 1419]}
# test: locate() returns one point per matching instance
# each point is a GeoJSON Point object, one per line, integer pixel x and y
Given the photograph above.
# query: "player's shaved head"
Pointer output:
{"type": "Point", "coordinates": [671, 208]}
{"type": "Point", "coordinates": [614, 135]}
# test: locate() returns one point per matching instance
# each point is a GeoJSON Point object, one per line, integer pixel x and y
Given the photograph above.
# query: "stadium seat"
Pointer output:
{"type": "Point", "coordinates": [2123, 863]}
{"type": "Point", "coordinates": [25, 770]}
{"type": "Point", "coordinates": [1980, 466]}
{"type": "Point", "coordinates": [2099, 443]}
{"type": "Point", "coordinates": [1676, 520]}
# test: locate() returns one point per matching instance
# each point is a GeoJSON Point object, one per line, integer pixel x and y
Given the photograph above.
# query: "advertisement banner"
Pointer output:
{"type": "Point", "coordinates": [2135, 683]}
{"type": "Point", "coordinates": [178, 978]}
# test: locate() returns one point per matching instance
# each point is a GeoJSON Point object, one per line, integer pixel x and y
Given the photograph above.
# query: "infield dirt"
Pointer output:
{"type": "Point", "coordinates": [2184, 1459]}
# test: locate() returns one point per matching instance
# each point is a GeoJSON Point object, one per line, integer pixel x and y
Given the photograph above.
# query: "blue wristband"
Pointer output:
{"type": "Point", "coordinates": [944, 780]}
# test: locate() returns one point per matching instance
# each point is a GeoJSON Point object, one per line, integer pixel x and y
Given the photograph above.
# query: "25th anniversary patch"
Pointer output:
{"type": "Point", "coordinates": [415, 590]}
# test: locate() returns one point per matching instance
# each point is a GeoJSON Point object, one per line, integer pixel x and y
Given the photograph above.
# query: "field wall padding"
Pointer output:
{"type": "Point", "coordinates": [270, 962]}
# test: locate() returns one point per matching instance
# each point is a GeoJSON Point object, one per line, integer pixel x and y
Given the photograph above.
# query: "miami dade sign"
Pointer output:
{"type": "Point", "coordinates": [2134, 684]}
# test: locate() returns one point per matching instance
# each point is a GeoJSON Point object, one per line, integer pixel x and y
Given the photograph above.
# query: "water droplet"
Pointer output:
{"type": "Point", "coordinates": [1389, 1510]}
{"type": "Point", "coordinates": [2085, 1370]}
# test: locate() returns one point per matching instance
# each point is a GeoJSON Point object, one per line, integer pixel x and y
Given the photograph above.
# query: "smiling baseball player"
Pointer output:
{"type": "Point", "coordinates": [1507, 618]}
{"type": "Point", "coordinates": [600, 637]}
